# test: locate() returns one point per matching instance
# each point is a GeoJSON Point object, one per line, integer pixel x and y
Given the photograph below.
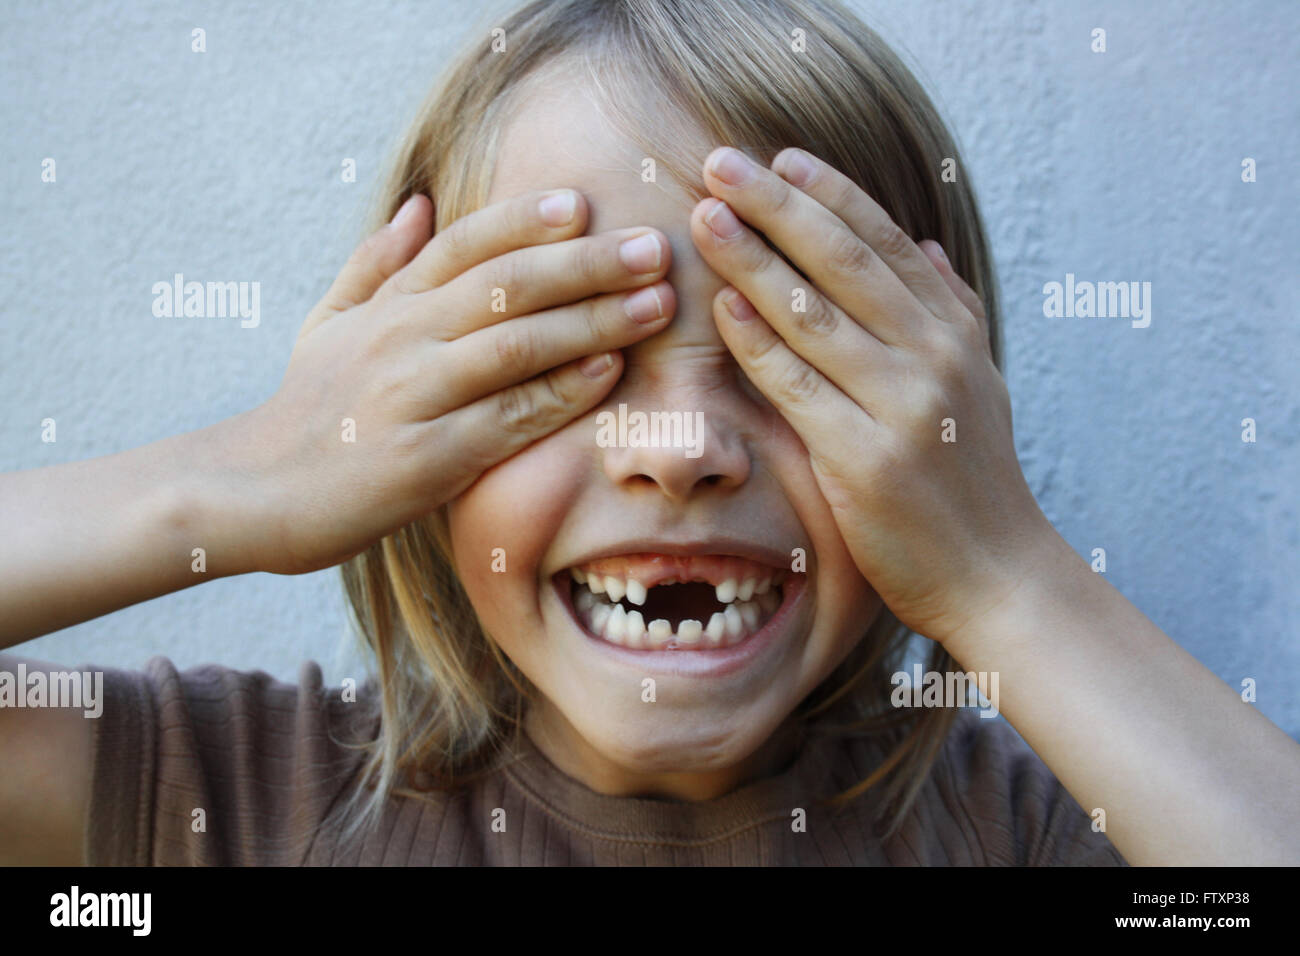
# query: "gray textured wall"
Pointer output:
{"type": "Point", "coordinates": [1124, 165]}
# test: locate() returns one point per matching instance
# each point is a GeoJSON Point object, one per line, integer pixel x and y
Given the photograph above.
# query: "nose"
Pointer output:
{"type": "Point", "coordinates": [676, 450]}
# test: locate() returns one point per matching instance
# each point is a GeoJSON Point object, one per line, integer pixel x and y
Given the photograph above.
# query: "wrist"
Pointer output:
{"type": "Point", "coordinates": [1047, 575]}
{"type": "Point", "coordinates": [213, 500]}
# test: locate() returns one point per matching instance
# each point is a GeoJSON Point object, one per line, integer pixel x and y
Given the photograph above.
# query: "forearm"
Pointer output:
{"type": "Point", "coordinates": [90, 537]}
{"type": "Point", "coordinates": [1131, 723]}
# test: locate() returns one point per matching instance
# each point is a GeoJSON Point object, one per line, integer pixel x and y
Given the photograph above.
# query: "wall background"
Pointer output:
{"type": "Point", "coordinates": [1117, 166]}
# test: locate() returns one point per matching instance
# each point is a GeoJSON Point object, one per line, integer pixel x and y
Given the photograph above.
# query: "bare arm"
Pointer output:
{"type": "Point", "coordinates": [1186, 771]}
{"type": "Point", "coordinates": [91, 537]}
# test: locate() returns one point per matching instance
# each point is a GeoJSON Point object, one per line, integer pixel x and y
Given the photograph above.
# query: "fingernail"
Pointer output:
{"type": "Point", "coordinates": [404, 213]}
{"type": "Point", "coordinates": [738, 306]}
{"type": "Point", "coordinates": [644, 306]}
{"type": "Point", "coordinates": [796, 169]}
{"type": "Point", "coordinates": [732, 167]}
{"type": "Point", "coordinates": [642, 254]}
{"type": "Point", "coordinates": [557, 208]}
{"type": "Point", "coordinates": [942, 255]}
{"type": "Point", "coordinates": [723, 222]}
{"type": "Point", "coordinates": [597, 365]}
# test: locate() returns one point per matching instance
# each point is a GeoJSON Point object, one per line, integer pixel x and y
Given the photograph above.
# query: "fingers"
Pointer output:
{"type": "Point", "coordinates": [493, 428]}
{"type": "Point", "coordinates": [540, 277]}
{"type": "Point", "coordinates": [814, 327]}
{"type": "Point", "coordinates": [964, 293]}
{"type": "Point", "coordinates": [807, 399]}
{"type": "Point", "coordinates": [865, 217]}
{"type": "Point", "coordinates": [507, 353]}
{"type": "Point", "coordinates": [819, 243]}
{"type": "Point", "coordinates": [379, 256]}
{"type": "Point", "coordinates": [838, 236]}
{"type": "Point", "coordinates": [527, 220]}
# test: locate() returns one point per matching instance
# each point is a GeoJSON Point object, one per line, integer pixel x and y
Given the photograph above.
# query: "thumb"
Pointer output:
{"type": "Point", "coordinates": [380, 255]}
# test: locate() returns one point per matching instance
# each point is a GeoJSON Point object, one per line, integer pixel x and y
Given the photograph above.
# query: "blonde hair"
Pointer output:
{"type": "Point", "coordinates": [449, 696]}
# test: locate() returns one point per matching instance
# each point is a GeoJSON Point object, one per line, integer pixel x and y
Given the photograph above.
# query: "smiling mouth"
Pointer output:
{"type": "Point", "coordinates": [673, 603]}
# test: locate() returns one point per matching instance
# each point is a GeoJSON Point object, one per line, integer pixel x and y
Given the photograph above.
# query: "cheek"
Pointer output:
{"type": "Point", "coordinates": [501, 526]}
{"type": "Point", "coordinates": [846, 596]}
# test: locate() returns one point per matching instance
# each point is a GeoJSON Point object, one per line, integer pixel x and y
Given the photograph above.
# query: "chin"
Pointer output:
{"type": "Point", "coordinates": [671, 741]}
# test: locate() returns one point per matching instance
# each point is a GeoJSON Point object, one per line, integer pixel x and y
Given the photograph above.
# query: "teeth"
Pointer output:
{"type": "Point", "coordinates": [661, 632]}
{"type": "Point", "coordinates": [735, 625]}
{"type": "Point", "coordinates": [716, 630]}
{"type": "Point", "coordinates": [616, 626]}
{"type": "Point", "coordinates": [636, 592]}
{"type": "Point", "coordinates": [746, 606]}
{"type": "Point", "coordinates": [689, 631]}
{"type": "Point", "coordinates": [635, 629]}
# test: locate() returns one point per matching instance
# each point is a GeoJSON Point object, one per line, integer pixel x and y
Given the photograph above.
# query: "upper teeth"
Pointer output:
{"type": "Point", "coordinates": [732, 589]}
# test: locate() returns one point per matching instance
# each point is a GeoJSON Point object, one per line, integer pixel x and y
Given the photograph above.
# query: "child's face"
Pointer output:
{"type": "Point", "coordinates": [566, 498]}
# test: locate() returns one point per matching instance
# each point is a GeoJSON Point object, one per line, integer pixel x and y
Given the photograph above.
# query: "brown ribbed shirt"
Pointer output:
{"type": "Point", "coordinates": [265, 762]}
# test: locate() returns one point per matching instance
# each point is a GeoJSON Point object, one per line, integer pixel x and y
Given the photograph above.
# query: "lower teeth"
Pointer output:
{"type": "Point", "coordinates": [614, 623]}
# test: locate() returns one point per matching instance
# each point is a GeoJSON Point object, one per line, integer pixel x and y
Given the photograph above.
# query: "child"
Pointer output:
{"type": "Point", "coordinates": [592, 645]}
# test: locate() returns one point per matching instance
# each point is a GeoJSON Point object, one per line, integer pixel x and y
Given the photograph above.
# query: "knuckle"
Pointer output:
{"type": "Point", "coordinates": [780, 197]}
{"type": "Point", "coordinates": [819, 318]}
{"type": "Point", "coordinates": [454, 243]}
{"type": "Point", "coordinates": [799, 381]}
{"type": "Point", "coordinates": [401, 390]}
{"type": "Point", "coordinates": [761, 355]}
{"type": "Point", "coordinates": [947, 359]}
{"type": "Point", "coordinates": [971, 330]}
{"type": "Point", "coordinates": [558, 393]}
{"type": "Point", "coordinates": [926, 402]}
{"type": "Point", "coordinates": [849, 256]}
{"type": "Point", "coordinates": [892, 241]}
{"type": "Point", "coordinates": [511, 272]}
{"type": "Point", "coordinates": [516, 350]}
{"type": "Point", "coordinates": [843, 192]}
{"type": "Point", "coordinates": [600, 317]}
{"type": "Point", "coordinates": [383, 341]}
{"type": "Point", "coordinates": [589, 261]}
{"type": "Point", "coordinates": [753, 255]}
{"type": "Point", "coordinates": [519, 409]}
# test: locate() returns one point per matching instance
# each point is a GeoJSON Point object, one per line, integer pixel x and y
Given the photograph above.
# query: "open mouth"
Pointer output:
{"type": "Point", "coordinates": [663, 602]}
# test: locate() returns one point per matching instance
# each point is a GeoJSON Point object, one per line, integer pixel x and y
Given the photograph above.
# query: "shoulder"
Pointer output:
{"type": "Point", "coordinates": [217, 765]}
